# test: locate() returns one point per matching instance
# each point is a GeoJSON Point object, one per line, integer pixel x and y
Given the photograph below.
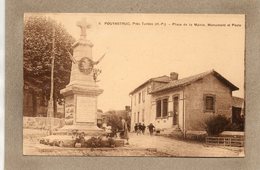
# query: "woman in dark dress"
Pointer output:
{"type": "Point", "coordinates": [124, 133]}
{"type": "Point", "coordinates": [151, 128]}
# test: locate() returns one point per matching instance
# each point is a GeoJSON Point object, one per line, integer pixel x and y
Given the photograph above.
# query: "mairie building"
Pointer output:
{"type": "Point", "coordinates": [183, 104]}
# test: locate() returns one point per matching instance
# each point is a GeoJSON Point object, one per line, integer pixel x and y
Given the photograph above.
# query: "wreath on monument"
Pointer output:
{"type": "Point", "coordinates": [86, 65]}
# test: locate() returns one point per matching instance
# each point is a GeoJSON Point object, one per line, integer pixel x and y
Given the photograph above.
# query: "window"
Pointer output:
{"type": "Point", "coordinates": [209, 103]}
{"type": "Point", "coordinates": [135, 99]}
{"type": "Point", "coordinates": [165, 107]}
{"type": "Point", "coordinates": [143, 96]}
{"type": "Point", "coordinates": [175, 110]}
{"type": "Point", "coordinates": [162, 108]}
{"type": "Point", "coordinates": [143, 116]}
{"type": "Point", "coordinates": [176, 105]}
{"type": "Point", "coordinates": [158, 108]}
{"type": "Point", "coordinates": [139, 97]}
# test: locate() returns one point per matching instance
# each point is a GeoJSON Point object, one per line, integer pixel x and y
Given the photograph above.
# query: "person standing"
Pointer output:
{"type": "Point", "coordinates": [143, 128]}
{"type": "Point", "coordinates": [139, 129]}
{"type": "Point", "coordinates": [151, 128]}
{"type": "Point", "coordinates": [124, 133]}
{"type": "Point", "coordinates": [136, 127]}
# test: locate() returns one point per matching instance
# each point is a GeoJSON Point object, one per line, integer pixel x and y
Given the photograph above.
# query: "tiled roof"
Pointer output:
{"type": "Point", "coordinates": [163, 79]}
{"type": "Point", "coordinates": [188, 80]}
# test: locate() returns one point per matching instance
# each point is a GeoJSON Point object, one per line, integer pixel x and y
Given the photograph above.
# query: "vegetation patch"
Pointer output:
{"type": "Point", "coordinates": [216, 124]}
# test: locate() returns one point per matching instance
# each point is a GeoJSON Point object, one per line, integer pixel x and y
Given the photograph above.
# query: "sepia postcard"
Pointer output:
{"type": "Point", "coordinates": [121, 84]}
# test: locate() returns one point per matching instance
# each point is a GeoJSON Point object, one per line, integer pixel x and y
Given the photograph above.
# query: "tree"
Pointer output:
{"type": "Point", "coordinates": [113, 120]}
{"type": "Point", "coordinates": [37, 56]}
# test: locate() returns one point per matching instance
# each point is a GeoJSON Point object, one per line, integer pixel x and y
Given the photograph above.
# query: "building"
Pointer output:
{"type": "Point", "coordinates": [238, 111]}
{"type": "Point", "coordinates": [141, 100]}
{"type": "Point", "coordinates": [169, 102]}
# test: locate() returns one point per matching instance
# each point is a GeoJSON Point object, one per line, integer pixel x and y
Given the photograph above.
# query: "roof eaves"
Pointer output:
{"type": "Point", "coordinates": [136, 89]}
{"type": "Point", "coordinates": [232, 86]}
{"type": "Point", "coordinates": [168, 88]}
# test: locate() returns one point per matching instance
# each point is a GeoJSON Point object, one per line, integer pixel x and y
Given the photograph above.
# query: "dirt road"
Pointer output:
{"type": "Point", "coordinates": [181, 148]}
{"type": "Point", "coordinates": [141, 145]}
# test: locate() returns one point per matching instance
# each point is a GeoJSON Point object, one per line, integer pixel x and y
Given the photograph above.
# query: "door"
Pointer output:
{"type": "Point", "coordinates": [175, 110]}
{"type": "Point", "coordinates": [236, 115]}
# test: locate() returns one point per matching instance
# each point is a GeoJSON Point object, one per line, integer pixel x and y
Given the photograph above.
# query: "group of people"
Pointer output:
{"type": "Point", "coordinates": [124, 131]}
{"type": "Point", "coordinates": [140, 128]}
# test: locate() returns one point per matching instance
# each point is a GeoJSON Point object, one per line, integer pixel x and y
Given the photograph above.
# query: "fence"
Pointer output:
{"type": "Point", "coordinates": [225, 141]}
{"type": "Point", "coordinates": [42, 122]}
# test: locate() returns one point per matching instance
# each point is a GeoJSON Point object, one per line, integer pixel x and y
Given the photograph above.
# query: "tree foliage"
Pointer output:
{"type": "Point", "coordinates": [216, 124]}
{"type": "Point", "coordinates": [113, 118]}
{"type": "Point", "coordinates": [38, 35]}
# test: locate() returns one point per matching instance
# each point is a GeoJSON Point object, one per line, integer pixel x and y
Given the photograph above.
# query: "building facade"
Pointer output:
{"type": "Point", "coordinates": [186, 103]}
{"type": "Point", "coordinates": [141, 100]}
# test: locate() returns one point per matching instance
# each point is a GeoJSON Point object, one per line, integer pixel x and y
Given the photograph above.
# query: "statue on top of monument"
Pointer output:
{"type": "Point", "coordinates": [83, 26]}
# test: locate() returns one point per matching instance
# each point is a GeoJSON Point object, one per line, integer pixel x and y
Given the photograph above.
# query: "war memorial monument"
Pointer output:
{"type": "Point", "coordinates": [80, 97]}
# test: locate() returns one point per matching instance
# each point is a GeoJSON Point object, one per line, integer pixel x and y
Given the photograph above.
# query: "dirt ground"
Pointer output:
{"type": "Point", "coordinates": [140, 145]}
{"type": "Point", "coordinates": [181, 148]}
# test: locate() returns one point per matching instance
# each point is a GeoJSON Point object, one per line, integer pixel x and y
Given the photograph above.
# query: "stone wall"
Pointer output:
{"type": "Point", "coordinates": [42, 122]}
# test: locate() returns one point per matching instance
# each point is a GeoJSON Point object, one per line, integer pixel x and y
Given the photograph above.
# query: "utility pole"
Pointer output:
{"type": "Point", "coordinates": [50, 112]}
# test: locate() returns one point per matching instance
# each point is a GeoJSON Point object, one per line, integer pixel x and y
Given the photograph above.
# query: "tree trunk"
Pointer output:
{"type": "Point", "coordinates": [54, 105]}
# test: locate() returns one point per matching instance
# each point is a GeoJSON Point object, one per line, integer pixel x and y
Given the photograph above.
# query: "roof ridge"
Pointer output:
{"type": "Point", "coordinates": [205, 72]}
{"type": "Point", "coordinates": [159, 77]}
{"type": "Point", "coordinates": [189, 79]}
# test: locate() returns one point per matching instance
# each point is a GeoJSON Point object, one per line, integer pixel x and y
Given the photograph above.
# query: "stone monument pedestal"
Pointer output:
{"type": "Point", "coordinates": [80, 110]}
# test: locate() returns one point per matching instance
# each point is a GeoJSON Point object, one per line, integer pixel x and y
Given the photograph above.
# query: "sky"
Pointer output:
{"type": "Point", "coordinates": [141, 46]}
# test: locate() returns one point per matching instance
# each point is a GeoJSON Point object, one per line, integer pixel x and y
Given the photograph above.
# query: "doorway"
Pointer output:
{"type": "Point", "coordinates": [175, 110]}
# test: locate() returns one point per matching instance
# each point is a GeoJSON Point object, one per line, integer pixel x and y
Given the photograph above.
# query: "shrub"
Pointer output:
{"type": "Point", "coordinates": [114, 122]}
{"type": "Point", "coordinates": [93, 142]}
{"type": "Point", "coordinates": [111, 142]}
{"type": "Point", "coordinates": [98, 142]}
{"type": "Point", "coordinates": [216, 124]}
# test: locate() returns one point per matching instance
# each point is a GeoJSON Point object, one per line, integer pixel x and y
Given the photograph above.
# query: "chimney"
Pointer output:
{"type": "Point", "coordinates": [173, 76]}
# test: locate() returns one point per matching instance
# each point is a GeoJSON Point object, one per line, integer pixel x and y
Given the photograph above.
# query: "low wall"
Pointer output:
{"type": "Point", "coordinates": [42, 122]}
